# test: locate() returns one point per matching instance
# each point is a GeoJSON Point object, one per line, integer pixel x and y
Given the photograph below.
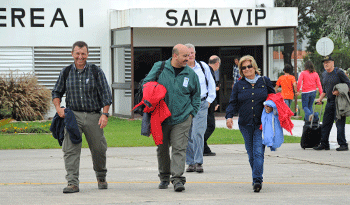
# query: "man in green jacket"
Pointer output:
{"type": "Point", "coordinates": [183, 100]}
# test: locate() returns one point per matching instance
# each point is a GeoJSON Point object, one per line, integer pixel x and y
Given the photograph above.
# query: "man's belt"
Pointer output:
{"type": "Point", "coordinates": [95, 111]}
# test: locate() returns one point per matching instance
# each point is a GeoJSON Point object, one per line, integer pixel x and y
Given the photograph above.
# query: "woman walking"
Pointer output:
{"type": "Point", "coordinates": [308, 80]}
{"type": "Point", "coordinates": [247, 98]}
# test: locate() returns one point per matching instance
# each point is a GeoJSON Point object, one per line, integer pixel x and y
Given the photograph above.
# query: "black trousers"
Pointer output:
{"type": "Point", "coordinates": [210, 126]}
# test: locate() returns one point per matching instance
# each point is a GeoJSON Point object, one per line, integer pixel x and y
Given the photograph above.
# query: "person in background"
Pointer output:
{"type": "Point", "coordinates": [308, 81]}
{"type": "Point", "coordinates": [236, 75]}
{"type": "Point", "coordinates": [194, 153]}
{"type": "Point", "coordinates": [331, 77]}
{"type": "Point", "coordinates": [288, 84]}
{"type": "Point", "coordinates": [214, 65]}
{"type": "Point", "coordinates": [247, 98]}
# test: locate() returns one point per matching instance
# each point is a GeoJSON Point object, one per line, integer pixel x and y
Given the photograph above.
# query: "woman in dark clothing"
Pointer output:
{"type": "Point", "coordinates": [247, 98]}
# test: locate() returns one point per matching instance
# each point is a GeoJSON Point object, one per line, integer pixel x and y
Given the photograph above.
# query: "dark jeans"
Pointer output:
{"type": "Point", "coordinates": [328, 119]}
{"type": "Point", "coordinates": [253, 143]}
{"type": "Point", "coordinates": [307, 100]}
{"type": "Point", "coordinates": [210, 126]}
{"type": "Point", "coordinates": [288, 102]}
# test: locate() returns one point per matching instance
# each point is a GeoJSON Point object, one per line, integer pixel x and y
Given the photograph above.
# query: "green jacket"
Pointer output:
{"type": "Point", "coordinates": [183, 91]}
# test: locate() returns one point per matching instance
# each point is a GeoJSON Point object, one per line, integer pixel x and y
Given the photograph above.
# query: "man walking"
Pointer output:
{"type": "Point", "coordinates": [331, 77]}
{"type": "Point", "coordinates": [183, 101]}
{"type": "Point", "coordinates": [87, 91]}
{"type": "Point", "coordinates": [214, 65]}
{"type": "Point", "coordinates": [235, 72]}
{"type": "Point", "coordinates": [194, 153]}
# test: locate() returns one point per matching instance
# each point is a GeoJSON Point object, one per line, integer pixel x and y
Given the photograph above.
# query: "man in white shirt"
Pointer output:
{"type": "Point", "coordinates": [194, 153]}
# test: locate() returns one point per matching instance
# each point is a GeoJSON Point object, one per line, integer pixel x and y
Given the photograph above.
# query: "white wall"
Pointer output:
{"type": "Point", "coordinates": [125, 4]}
{"type": "Point", "coordinates": [95, 31]}
{"type": "Point", "coordinates": [97, 20]}
{"type": "Point", "coordinates": [199, 37]}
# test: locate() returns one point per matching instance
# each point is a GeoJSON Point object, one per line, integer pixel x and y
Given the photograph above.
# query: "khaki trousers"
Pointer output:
{"type": "Point", "coordinates": [88, 124]}
{"type": "Point", "coordinates": [177, 137]}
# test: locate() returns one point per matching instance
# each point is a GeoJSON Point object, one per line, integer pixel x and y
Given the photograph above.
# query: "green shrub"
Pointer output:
{"type": "Point", "coordinates": [22, 98]}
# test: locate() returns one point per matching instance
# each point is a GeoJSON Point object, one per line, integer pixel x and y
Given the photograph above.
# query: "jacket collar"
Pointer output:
{"type": "Point", "coordinates": [170, 67]}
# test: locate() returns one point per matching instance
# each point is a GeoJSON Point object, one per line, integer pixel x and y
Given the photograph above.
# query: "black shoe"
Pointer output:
{"type": "Point", "coordinates": [191, 168]}
{"type": "Point", "coordinates": [209, 154]}
{"type": "Point", "coordinates": [179, 187]}
{"type": "Point", "coordinates": [71, 189]}
{"type": "Point", "coordinates": [321, 147]}
{"type": "Point", "coordinates": [163, 185]}
{"type": "Point", "coordinates": [257, 187]}
{"type": "Point", "coordinates": [102, 184]}
{"type": "Point", "coordinates": [199, 168]}
{"type": "Point", "coordinates": [343, 148]}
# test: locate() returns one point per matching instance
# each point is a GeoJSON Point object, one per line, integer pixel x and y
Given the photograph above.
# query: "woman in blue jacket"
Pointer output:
{"type": "Point", "coordinates": [247, 98]}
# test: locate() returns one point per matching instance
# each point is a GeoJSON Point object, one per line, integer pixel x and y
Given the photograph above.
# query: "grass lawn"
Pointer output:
{"type": "Point", "coordinates": [317, 109]}
{"type": "Point", "coordinates": [119, 133]}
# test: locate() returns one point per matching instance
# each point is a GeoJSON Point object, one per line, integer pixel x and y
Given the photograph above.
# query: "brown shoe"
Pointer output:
{"type": "Point", "coordinates": [102, 184]}
{"type": "Point", "coordinates": [70, 189]}
{"type": "Point", "coordinates": [191, 168]}
{"type": "Point", "coordinates": [199, 168]}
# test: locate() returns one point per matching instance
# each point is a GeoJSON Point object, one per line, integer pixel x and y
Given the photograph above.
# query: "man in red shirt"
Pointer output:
{"type": "Point", "coordinates": [288, 85]}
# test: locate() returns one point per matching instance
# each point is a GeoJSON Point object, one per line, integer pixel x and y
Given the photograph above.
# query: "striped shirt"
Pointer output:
{"type": "Point", "coordinates": [83, 91]}
{"type": "Point", "coordinates": [236, 75]}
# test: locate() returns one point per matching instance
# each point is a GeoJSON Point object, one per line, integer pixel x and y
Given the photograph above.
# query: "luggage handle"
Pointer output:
{"type": "Point", "coordinates": [319, 117]}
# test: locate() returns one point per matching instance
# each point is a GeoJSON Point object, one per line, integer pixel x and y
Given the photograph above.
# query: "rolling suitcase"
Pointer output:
{"type": "Point", "coordinates": [311, 136]}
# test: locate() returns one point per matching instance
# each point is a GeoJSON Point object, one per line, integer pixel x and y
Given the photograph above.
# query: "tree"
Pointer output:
{"type": "Point", "coordinates": [337, 19]}
{"type": "Point", "coordinates": [323, 18]}
{"type": "Point", "coordinates": [331, 19]}
{"type": "Point", "coordinates": [306, 9]}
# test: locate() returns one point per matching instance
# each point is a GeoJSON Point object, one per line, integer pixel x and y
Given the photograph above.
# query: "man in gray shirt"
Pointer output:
{"type": "Point", "coordinates": [331, 77]}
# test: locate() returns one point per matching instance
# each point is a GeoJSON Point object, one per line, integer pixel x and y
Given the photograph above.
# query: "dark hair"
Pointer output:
{"type": "Point", "coordinates": [288, 69]}
{"type": "Point", "coordinates": [309, 66]}
{"type": "Point", "coordinates": [80, 44]}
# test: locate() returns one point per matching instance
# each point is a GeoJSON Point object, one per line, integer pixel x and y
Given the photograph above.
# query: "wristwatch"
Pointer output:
{"type": "Point", "coordinates": [107, 114]}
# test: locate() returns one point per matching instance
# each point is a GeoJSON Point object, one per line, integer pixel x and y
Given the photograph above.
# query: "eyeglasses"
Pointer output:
{"type": "Point", "coordinates": [248, 66]}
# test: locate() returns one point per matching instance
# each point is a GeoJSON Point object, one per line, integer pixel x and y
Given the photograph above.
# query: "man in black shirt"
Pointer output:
{"type": "Point", "coordinates": [331, 77]}
{"type": "Point", "coordinates": [214, 64]}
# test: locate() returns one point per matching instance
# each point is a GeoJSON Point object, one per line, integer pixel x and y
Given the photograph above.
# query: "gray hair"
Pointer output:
{"type": "Point", "coordinates": [188, 45]}
{"type": "Point", "coordinates": [175, 51]}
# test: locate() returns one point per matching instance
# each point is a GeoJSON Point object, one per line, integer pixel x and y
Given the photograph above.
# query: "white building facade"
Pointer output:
{"type": "Point", "coordinates": [125, 38]}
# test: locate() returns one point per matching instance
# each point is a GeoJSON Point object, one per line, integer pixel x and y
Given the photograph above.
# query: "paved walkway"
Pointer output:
{"type": "Point", "coordinates": [291, 176]}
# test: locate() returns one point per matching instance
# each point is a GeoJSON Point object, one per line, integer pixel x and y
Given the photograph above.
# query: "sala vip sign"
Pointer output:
{"type": "Point", "coordinates": [187, 20]}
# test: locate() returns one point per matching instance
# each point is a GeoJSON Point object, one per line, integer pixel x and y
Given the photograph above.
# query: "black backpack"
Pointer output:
{"type": "Point", "coordinates": [139, 94]}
